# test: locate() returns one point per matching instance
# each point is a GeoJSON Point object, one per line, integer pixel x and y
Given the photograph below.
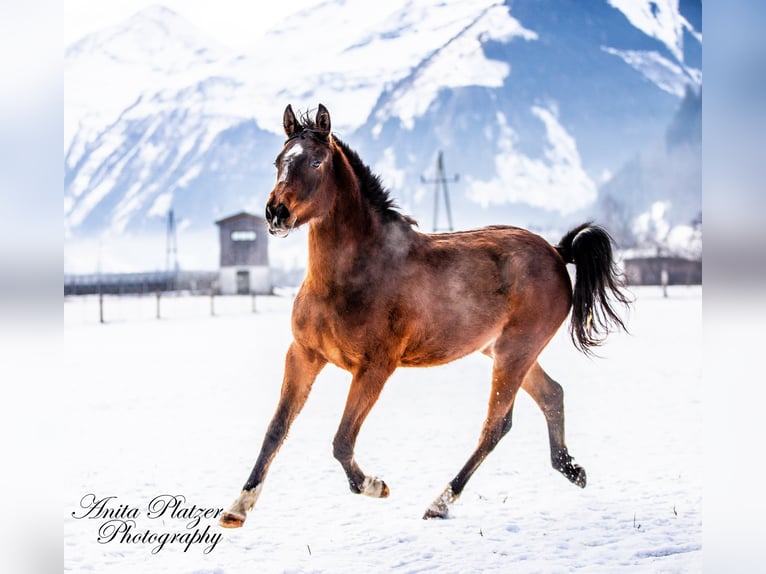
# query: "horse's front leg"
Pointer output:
{"type": "Point", "coordinates": [301, 369]}
{"type": "Point", "coordinates": [366, 386]}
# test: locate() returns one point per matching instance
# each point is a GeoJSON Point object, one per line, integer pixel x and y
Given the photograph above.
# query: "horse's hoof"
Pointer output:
{"type": "Point", "coordinates": [434, 512]}
{"type": "Point", "coordinates": [440, 507]}
{"type": "Point", "coordinates": [575, 474]}
{"type": "Point", "coordinates": [375, 488]}
{"type": "Point", "coordinates": [231, 520]}
{"type": "Point", "coordinates": [579, 479]}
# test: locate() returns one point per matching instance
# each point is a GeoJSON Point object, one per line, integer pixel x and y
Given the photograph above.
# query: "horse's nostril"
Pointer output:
{"type": "Point", "coordinates": [282, 212]}
{"type": "Point", "coordinates": [276, 216]}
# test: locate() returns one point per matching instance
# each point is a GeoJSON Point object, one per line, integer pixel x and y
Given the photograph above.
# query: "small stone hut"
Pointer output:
{"type": "Point", "coordinates": [244, 242]}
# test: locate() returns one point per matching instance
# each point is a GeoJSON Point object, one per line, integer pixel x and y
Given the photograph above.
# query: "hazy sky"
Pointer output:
{"type": "Point", "coordinates": [231, 22]}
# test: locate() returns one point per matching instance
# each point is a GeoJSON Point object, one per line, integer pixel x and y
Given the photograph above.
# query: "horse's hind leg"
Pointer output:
{"type": "Point", "coordinates": [549, 396]}
{"type": "Point", "coordinates": [364, 392]}
{"type": "Point", "coordinates": [512, 361]}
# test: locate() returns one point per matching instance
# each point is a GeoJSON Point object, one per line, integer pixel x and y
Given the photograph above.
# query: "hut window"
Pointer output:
{"type": "Point", "coordinates": [243, 235]}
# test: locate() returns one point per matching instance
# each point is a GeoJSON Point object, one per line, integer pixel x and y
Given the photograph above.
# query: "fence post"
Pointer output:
{"type": "Point", "coordinates": [212, 302]}
{"type": "Point", "coordinates": [253, 306]}
{"type": "Point", "coordinates": [158, 303]}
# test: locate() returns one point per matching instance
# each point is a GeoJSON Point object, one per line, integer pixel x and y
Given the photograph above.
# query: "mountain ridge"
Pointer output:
{"type": "Point", "coordinates": [533, 89]}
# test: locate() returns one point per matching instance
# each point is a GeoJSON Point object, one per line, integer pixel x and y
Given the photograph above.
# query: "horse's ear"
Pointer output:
{"type": "Point", "coordinates": [323, 121]}
{"type": "Point", "coordinates": [289, 122]}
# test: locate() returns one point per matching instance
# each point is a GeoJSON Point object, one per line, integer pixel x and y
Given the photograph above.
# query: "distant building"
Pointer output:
{"type": "Point", "coordinates": [649, 271]}
{"type": "Point", "coordinates": [244, 255]}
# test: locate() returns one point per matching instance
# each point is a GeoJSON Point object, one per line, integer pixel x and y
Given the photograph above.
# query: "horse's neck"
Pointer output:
{"type": "Point", "coordinates": [341, 236]}
{"type": "Point", "coordinates": [353, 230]}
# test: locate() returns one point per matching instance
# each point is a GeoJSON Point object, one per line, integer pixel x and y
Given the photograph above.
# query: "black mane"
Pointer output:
{"type": "Point", "coordinates": [370, 184]}
{"type": "Point", "coordinates": [372, 188]}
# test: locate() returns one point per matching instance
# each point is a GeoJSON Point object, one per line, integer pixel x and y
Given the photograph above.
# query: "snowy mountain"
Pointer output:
{"type": "Point", "coordinates": [534, 103]}
{"type": "Point", "coordinates": [653, 202]}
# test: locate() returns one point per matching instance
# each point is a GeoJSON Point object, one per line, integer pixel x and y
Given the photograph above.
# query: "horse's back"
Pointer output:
{"type": "Point", "coordinates": [512, 254]}
{"type": "Point", "coordinates": [468, 287]}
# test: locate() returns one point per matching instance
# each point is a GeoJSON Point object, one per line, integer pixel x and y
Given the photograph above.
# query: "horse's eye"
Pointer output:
{"type": "Point", "coordinates": [316, 163]}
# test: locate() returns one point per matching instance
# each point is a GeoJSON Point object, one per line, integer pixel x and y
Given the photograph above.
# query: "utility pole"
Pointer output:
{"type": "Point", "coordinates": [441, 186]}
{"type": "Point", "coordinates": [171, 250]}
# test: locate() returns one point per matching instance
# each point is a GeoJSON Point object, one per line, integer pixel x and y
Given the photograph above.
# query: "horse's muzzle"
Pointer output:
{"type": "Point", "coordinates": [277, 219]}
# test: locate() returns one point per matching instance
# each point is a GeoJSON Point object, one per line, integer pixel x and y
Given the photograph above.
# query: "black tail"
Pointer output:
{"type": "Point", "coordinates": [589, 247]}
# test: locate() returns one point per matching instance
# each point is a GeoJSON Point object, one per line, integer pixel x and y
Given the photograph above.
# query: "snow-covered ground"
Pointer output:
{"type": "Point", "coordinates": [179, 406]}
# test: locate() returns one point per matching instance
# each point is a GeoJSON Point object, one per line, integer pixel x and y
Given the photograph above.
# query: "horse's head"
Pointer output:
{"type": "Point", "coordinates": [304, 187]}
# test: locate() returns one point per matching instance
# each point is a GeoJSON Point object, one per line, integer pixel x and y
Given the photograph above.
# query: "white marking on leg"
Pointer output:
{"type": "Point", "coordinates": [372, 487]}
{"type": "Point", "coordinates": [245, 502]}
{"type": "Point", "coordinates": [439, 508]}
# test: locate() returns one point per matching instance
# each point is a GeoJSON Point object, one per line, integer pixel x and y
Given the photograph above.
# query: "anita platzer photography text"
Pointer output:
{"type": "Point", "coordinates": [167, 519]}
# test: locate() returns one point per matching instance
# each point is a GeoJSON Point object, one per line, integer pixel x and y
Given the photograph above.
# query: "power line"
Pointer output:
{"type": "Point", "coordinates": [441, 181]}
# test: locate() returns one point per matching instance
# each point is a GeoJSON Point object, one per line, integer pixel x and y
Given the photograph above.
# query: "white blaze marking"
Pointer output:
{"type": "Point", "coordinates": [294, 152]}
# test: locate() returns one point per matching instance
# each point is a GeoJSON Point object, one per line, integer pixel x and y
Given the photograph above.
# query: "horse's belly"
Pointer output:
{"type": "Point", "coordinates": [429, 359]}
{"type": "Point", "coordinates": [447, 345]}
{"type": "Point", "coordinates": [418, 336]}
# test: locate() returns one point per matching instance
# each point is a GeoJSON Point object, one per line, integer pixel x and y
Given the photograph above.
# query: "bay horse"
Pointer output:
{"type": "Point", "coordinates": [378, 294]}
